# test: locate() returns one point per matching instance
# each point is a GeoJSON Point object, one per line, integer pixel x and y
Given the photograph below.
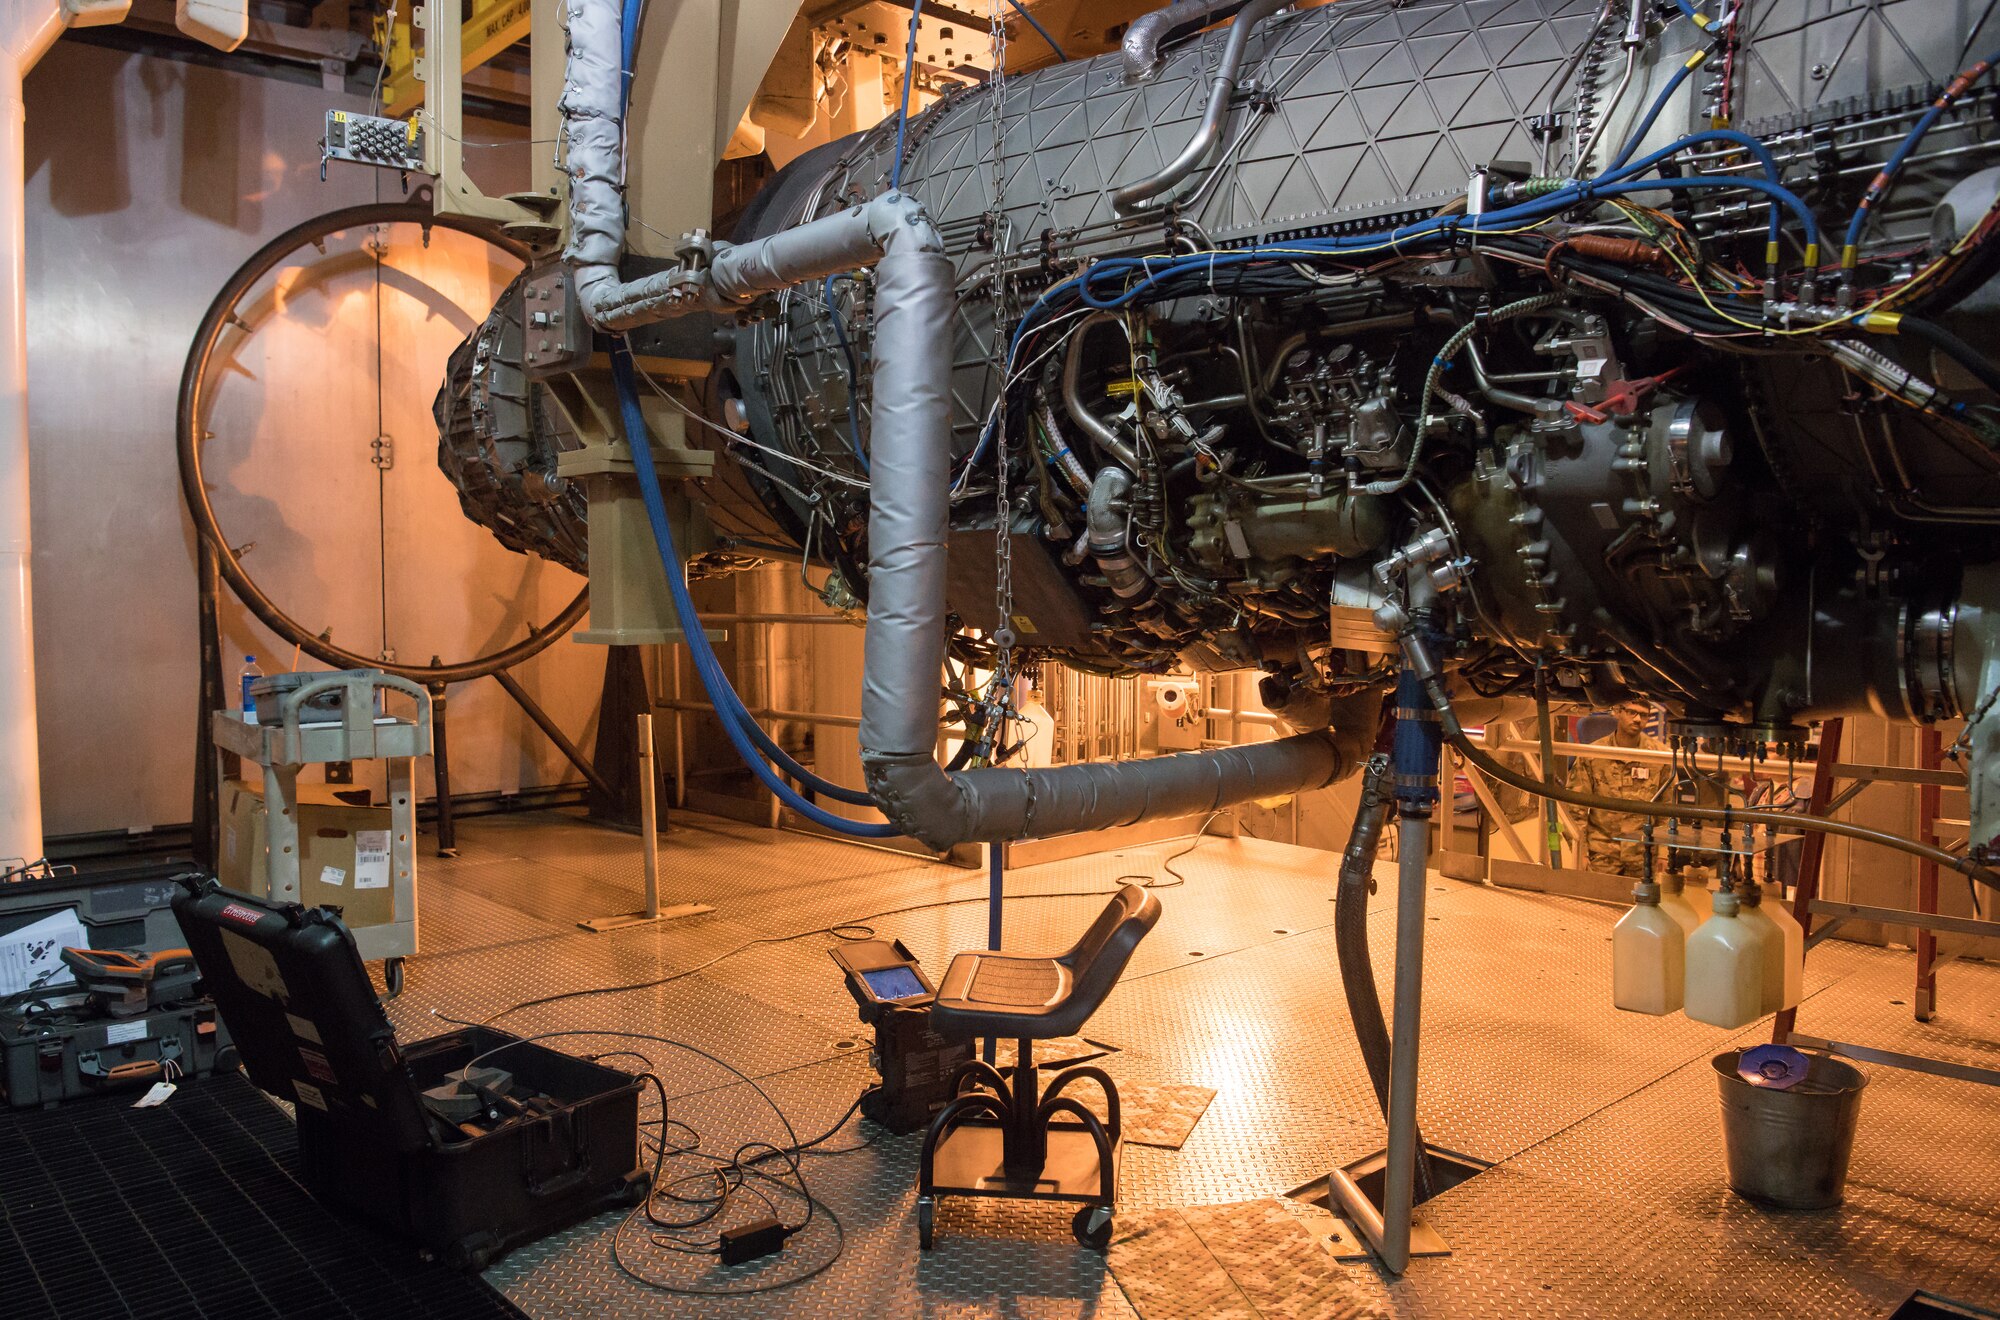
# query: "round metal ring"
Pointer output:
{"type": "Point", "coordinates": [194, 379]}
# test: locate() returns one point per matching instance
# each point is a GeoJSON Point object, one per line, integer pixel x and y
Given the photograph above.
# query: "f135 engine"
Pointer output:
{"type": "Point", "coordinates": [1646, 335]}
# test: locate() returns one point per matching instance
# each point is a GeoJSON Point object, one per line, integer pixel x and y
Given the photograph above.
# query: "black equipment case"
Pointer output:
{"type": "Point", "coordinates": [291, 987]}
{"type": "Point", "coordinates": [55, 1044]}
{"type": "Point", "coordinates": [50, 1053]}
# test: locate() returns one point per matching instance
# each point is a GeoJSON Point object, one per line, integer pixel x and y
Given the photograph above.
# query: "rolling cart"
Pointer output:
{"type": "Point", "coordinates": [331, 717]}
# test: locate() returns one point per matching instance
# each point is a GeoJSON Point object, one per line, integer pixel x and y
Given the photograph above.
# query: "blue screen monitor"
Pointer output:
{"type": "Point", "coordinates": [893, 983]}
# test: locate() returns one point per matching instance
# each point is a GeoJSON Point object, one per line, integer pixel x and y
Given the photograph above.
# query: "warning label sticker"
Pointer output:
{"type": "Point", "coordinates": [317, 1066]}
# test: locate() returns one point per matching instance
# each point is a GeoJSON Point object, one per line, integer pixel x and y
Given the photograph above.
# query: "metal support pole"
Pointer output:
{"type": "Point", "coordinates": [1418, 754]}
{"type": "Point", "coordinates": [441, 774]}
{"type": "Point", "coordinates": [996, 876]}
{"type": "Point", "coordinates": [680, 732]}
{"type": "Point", "coordinates": [649, 818]}
{"type": "Point", "coordinates": [205, 833]}
{"type": "Point", "coordinates": [649, 848]}
{"type": "Point", "coordinates": [1811, 851]}
{"type": "Point", "coordinates": [1413, 832]}
{"type": "Point", "coordinates": [556, 735]}
{"type": "Point", "coordinates": [1930, 803]}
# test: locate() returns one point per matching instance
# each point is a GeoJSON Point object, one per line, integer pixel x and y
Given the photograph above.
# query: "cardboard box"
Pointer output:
{"type": "Point", "coordinates": [343, 851]}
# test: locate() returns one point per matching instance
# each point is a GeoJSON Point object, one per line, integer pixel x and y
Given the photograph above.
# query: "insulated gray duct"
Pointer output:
{"type": "Point", "coordinates": [593, 110]}
{"type": "Point", "coordinates": [1140, 48]}
{"type": "Point", "coordinates": [908, 525]}
{"type": "Point", "coordinates": [909, 505]}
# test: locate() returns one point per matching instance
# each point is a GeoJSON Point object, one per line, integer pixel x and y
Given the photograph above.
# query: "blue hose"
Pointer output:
{"type": "Point", "coordinates": [744, 733]}
{"type": "Point", "coordinates": [1653, 111]}
{"type": "Point", "coordinates": [1879, 187]}
{"type": "Point", "coordinates": [1618, 181]}
{"type": "Point", "coordinates": [628, 37]}
{"type": "Point", "coordinates": [1043, 33]}
{"type": "Point", "coordinates": [728, 706]}
{"type": "Point", "coordinates": [903, 111]}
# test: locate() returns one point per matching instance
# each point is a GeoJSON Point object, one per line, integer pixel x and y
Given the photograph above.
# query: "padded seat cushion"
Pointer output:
{"type": "Point", "coordinates": [1008, 982]}
{"type": "Point", "coordinates": [1022, 997]}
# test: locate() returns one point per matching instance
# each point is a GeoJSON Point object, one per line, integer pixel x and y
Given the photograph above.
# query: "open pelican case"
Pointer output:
{"type": "Point", "coordinates": [561, 1144]}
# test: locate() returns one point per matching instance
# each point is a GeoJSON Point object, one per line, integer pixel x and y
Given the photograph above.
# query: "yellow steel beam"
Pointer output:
{"type": "Point", "coordinates": [494, 26]}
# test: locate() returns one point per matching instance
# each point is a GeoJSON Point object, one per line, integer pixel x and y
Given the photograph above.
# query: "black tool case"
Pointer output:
{"type": "Point", "coordinates": [62, 1049]}
{"type": "Point", "coordinates": [291, 987]}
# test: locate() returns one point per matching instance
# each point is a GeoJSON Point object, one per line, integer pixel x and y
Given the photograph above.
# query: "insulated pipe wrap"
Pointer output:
{"type": "Point", "coordinates": [995, 805]}
{"type": "Point", "coordinates": [845, 240]}
{"type": "Point", "coordinates": [592, 109]}
{"type": "Point", "coordinates": [908, 523]}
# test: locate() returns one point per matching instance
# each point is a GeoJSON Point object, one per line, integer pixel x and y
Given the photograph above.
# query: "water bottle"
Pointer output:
{"type": "Point", "coordinates": [250, 675]}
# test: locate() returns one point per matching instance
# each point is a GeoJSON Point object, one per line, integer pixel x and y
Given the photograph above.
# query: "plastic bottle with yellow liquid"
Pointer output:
{"type": "Point", "coordinates": [1770, 940]}
{"type": "Point", "coordinates": [1780, 913]}
{"type": "Point", "coordinates": [1725, 967]}
{"type": "Point", "coordinates": [1648, 956]}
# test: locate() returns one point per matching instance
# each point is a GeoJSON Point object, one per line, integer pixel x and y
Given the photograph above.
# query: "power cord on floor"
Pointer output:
{"type": "Point", "coordinates": [731, 1176]}
{"type": "Point", "coordinates": [857, 929]}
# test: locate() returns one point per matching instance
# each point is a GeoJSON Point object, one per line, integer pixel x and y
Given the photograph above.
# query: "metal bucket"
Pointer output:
{"type": "Point", "coordinates": [1789, 1149]}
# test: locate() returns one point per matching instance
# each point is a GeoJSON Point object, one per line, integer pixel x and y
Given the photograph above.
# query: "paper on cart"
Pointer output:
{"type": "Point", "coordinates": [31, 957]}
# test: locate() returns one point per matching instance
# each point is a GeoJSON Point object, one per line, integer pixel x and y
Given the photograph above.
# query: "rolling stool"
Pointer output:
{"type": "Point", "coordinates": [1003, 1141]}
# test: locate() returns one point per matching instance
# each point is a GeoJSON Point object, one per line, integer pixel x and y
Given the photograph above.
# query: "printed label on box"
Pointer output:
{"type": "Point", "coordinates": [124, 1033]}
{"type": "Point", "coordinates": [317, 1065]}
{"type": "Point", "coordinates": [332, 875]}
{"type": "Point", "coordinates": [308, 1094]}
{"type": "Point", "coordinates": [371, 859]}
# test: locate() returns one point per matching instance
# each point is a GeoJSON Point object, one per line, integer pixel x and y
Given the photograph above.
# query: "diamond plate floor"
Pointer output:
{"type": "Point", "coordinates": [1607, 1197]}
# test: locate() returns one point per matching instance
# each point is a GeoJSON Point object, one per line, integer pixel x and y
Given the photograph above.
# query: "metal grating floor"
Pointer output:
{"type": "Point", "coordinates": [1607, 1196]}
{"type": "Point", "coordinates": [193, 1211]}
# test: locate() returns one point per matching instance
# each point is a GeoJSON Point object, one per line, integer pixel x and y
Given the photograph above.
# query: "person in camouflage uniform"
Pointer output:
{"type": "Point", "coordinates": [1611, 838]}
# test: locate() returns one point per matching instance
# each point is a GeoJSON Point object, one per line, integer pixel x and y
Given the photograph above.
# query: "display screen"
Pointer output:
{"type": "Point", "coordinates": [893, 983]}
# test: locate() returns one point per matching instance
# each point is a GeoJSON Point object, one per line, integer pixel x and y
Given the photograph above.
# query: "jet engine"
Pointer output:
{"type": "Point", "coordinates": [1642, 341]}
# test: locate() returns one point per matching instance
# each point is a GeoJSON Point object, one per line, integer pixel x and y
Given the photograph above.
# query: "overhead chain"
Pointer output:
{"type": "Point", "coordinates": [1000, 703]}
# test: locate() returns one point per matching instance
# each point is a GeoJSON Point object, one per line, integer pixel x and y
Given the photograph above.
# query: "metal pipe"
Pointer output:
{"type": "Point", "coordinates": [778, 618]}
{"type": "Point", "coordinates": [1413, 835]}
{"type": "Point", "coordinates": [765, 713]}
{"type": "Point", "coordinates": [555, 734]}
{"type": "Point", "coordinates": [680, 732]}
{"type": "Point", "coordinates": [1493, 393]}
{"type": "Point", "coordinates": [1094, 426]}
{"type": "Point", "coordinates": [1561, 82]}
{"type": "Point", "coordinates": [1140, 50]}
{"type": "Point", "coordinates": [447, 825]}
{"type": "Point", "coordinates": [649, 817]}
{"type": "Point", "coordinates": [1454, 732]}
{"type": "Point", "coordinates": [1222, 87]}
